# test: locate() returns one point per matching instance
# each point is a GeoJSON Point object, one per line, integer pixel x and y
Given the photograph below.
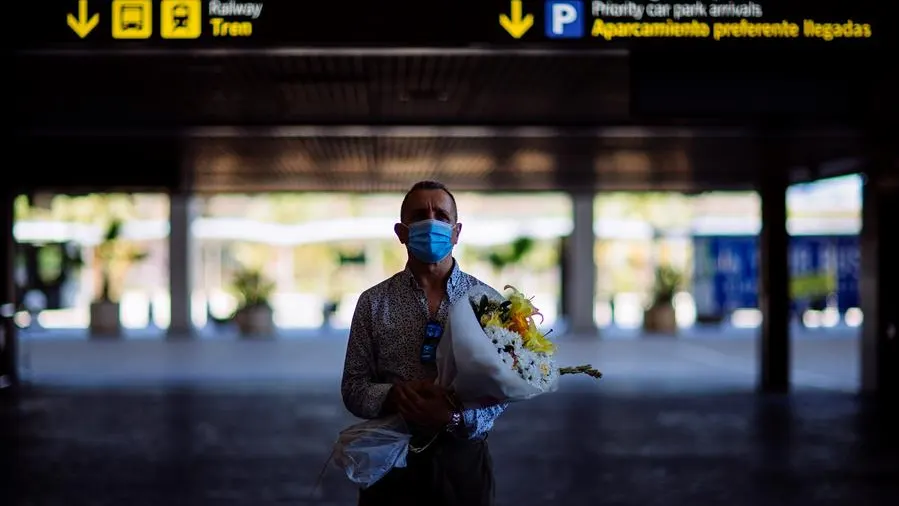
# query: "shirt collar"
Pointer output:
{"type": "Point", "coordinates": [455, 277]}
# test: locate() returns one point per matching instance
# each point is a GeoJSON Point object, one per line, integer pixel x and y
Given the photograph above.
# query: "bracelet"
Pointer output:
{"type": "Point", "coordinates": [455, 421]}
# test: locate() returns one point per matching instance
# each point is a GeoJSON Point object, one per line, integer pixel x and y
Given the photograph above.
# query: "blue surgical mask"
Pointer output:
{"type": "Point", "coordinates": [430, 240]}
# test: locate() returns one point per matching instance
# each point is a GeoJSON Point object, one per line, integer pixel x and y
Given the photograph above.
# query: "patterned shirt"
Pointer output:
{"type": "Point", "coordinates": [385, 345]}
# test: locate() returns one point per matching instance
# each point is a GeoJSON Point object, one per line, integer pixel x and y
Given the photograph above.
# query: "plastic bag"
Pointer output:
{"type": "Point", "coordinates": [369, 450]}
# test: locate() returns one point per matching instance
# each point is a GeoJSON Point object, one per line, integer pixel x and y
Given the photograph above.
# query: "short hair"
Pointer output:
{"type": "Point", "coordinates": [428, 185]}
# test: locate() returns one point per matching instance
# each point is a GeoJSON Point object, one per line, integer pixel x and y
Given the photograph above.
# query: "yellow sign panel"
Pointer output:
{"type": "Point", "coordinates": [517, 23]}
{"type": "Point", "coordinates": [181, 19]}
{"type": "Point", "coordinates": [132, 19]}
{"type": "Point", "coordinates": [83, 24]}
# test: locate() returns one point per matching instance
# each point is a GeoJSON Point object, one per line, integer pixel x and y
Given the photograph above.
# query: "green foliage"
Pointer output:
{"type": "Point", "coordinates": [251, 288]}
{"type": "Point", "coordinates": [22, 210]}
{"type": "Point", "coordinates": [510, 254]}
{"type": "Point", "coordinates": [581, 369]}
{"type": "Point", "coordinates": [667, 282]}
{"type": "Point", "coordinates": [488, 306]}
{"type": "Point", "coordinates": [114, 256]}
{"type": "Point", "coordinates": [354, 258]}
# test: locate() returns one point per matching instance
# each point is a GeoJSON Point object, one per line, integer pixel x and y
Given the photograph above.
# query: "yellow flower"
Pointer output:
{"type": "Point", "coordinates": [520, 307]}
{"type": "Point", "coordinates": [491, 319]}
{"type": "Point", "coordinates": [539, 343]}
{"type": "Point", "coordinates": [520, 319]}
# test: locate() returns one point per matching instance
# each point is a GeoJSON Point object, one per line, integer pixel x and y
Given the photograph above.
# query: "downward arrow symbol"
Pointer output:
{"type": "Point", "coordinates": [82, 25]}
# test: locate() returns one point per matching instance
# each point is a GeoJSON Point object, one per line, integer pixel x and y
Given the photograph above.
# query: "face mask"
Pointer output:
{"type": "Point", "coordinates": [430, 240]}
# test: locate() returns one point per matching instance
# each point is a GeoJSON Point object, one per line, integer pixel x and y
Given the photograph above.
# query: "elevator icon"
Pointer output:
{"type": "Point", "coordinates": [181, 19]}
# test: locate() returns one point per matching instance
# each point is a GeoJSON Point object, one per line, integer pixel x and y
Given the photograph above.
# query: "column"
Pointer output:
{"type": "Point", "coordinates": [181, 245]}
{"type": "Point", "coordinates": [774, 282]}
{"type": "Point", "coordinates": [579, 284]}
{"type": "Point", "coordinates": [9, 377]}
{"type": "Point", "coordinates": [879, 279]}
{"type": "Point", "coordinates": [285, 270]}
{"type": "Point", "coordinates": [564, 276]}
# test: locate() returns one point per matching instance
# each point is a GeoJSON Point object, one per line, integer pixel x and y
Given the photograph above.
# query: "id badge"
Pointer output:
{"type": "Point", "coordinates": [433, 333]}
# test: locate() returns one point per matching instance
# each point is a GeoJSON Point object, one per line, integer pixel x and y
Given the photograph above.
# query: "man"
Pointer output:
{"type": "Point", "coordinates": [390, 364]}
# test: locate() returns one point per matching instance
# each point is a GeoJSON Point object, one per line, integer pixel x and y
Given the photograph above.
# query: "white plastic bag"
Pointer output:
{"type": "Point", "coordinates": [369, 450]}
{"type": "Point", "coordinates": [468, 362]}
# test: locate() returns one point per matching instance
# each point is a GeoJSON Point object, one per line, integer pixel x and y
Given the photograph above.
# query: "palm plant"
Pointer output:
{"type": "Point", "coordinates": [113, 257]}
{"type": "Point", "coordinates": [512, 254]}
{"type": "Point", "coordinates": [252, 289]}
{"type": "Point", "coordinates": [668, 281]}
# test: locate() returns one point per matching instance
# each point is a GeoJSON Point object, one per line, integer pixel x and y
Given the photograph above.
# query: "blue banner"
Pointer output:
{"type": "Point", "coordinates": [848, 251]}
{"type": "Point", "coordinates": [726, 272]}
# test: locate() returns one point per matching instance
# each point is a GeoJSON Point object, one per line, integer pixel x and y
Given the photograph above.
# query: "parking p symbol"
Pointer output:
{"type": "Point", "coordinates": [564, 19]}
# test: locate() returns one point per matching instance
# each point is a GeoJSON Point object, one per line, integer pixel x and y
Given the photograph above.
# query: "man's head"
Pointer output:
{"type": "Point", "coordinates": [428, 221]}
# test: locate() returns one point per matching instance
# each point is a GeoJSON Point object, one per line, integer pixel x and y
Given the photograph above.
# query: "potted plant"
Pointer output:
{"type": "Point", "coordinates": [254, 315]}
{"type": "Point", "coordinates": [113, 258]}
{"type": "Point", "coordinates": [660, 317]}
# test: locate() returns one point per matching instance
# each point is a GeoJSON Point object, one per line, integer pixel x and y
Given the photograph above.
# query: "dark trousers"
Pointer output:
{"type": "Point", "coordinates": [452, 472]}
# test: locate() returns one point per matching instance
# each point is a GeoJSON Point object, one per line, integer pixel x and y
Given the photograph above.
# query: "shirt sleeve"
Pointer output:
{"type": "Point", "coordinates": [479, 421]}
{"type": "Point", "coordinates": [362, 395]}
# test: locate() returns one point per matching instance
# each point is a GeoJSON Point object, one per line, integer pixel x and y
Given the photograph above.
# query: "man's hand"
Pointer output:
{"type": "Point", "coordinates": [422, 403]}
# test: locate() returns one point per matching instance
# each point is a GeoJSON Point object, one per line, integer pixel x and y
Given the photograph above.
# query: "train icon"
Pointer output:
{"type": "Point", "coordinates": [180, 16]}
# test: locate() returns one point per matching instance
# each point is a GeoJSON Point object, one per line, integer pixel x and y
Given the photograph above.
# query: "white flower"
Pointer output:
{"type": "Point", "coordinates": [502, 337]}
{"type": "Point", "coordinates": [537, 368]}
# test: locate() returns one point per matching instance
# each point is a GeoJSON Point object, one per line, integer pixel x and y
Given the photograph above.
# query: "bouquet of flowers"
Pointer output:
{"type": "Point", "coordinates": [491, 352]}
{"type": "Point", "coordinates": [494, 352]}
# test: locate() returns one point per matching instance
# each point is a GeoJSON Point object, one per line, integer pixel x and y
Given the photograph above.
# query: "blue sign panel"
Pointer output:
{"type": "Point", "coordinates": [848, 253]}
{"type": "Point", "coordinates": [737, 276]}
{"type": "Point", "coordinates": [705, 265]}
{"type": "Point", "coordinates": [726, 272]}
{"type": "Point", "coordinates": [564, 19]}
{"type": "Point", "coordinates": [807, 264]}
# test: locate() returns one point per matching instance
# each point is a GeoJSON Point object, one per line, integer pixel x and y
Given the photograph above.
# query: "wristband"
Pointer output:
{"type": "Point", "coordinates": [455, 421]}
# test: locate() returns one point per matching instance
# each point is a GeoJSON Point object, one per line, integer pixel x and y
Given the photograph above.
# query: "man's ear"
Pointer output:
{"type": "Point", "coordinates": [402, 233]}
{"type": "Point", "coordinates": [456, 231]}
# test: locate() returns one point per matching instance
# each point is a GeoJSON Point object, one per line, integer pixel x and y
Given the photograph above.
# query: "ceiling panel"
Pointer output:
{"type": "Point", "coordinates": [391, 162]}
{"type": "Point", "coordinates": [252, 109]}
{"type": "Point", "coordinates": [116, 90]}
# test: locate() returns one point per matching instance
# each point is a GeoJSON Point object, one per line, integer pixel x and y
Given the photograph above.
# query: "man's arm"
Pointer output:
{"type": "Point", "coordinates": [479, 421]}
{"type": "Point", "coordinates": [362, 396]}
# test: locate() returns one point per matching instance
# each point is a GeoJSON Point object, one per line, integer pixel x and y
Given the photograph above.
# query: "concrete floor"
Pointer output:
{"type": "Point", "coordinates": [251, 423]}
{"type": "Point", "coordinates": [821, 359]}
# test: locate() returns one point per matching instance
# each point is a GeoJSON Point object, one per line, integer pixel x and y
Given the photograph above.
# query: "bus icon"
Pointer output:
{"type": "Point", "coordinates": [132, 19]}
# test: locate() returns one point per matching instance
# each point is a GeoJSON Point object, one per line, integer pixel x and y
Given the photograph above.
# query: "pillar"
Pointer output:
{"type": "Point", "coordinates": [285, 269]}
{"type": "Point", "coordinates": [579, 284]}
{"type": "Point", "coordinates": [879, 279]}
{"type": "Point", "coordinates": [181, 244]}
{"type": "Point", "coordinates": [9, 377]}
{"type": "Point", "coordinates": [564, 276]}
{"type": "Point", "coordinates": [774, 282]}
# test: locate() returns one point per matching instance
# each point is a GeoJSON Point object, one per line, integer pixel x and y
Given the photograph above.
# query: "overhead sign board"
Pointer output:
{"type": "Point", "coordinates": [414, 23]}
